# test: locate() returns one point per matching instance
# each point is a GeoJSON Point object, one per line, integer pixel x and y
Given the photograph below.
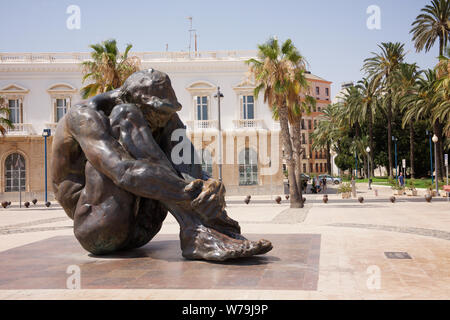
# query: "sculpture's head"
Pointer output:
{"type": "Point", "coordinates": [152, 91]}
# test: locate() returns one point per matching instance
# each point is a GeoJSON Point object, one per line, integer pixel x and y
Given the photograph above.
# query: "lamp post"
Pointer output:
{"type": "Point", "coordinates": [219, 95]}
{"type": "Point", "coordinates": [368, 166]}
{"type": "Point", "coordinates": [431, 156]}
{"type": "Point", "coordinates": [396, 166]}
{"type": "Point", "coordinates": [435, 140]}
{"type": "Point", "coordinates": [46, 133]}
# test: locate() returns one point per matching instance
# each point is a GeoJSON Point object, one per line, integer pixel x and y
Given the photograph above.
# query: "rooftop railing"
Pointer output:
{"type": "Point", "coordinates": [74, 57]}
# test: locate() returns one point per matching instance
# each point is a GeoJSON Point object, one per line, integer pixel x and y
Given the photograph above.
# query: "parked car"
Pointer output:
{"type": "Point", "coordinates": [331, 179]}
{"type": "Point", "coordinates": [305, 177]}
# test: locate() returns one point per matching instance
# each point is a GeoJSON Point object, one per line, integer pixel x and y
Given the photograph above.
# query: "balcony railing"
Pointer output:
{"type": "Point", "coordinates": [248, 123]}
{"type": "Point", "coordinates": [202, 124]}
{"type": "Point", "coordinates": [20, 129]}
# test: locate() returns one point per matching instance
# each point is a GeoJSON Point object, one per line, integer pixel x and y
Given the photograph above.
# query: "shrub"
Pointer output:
{"type": "Point", "coordinates": [344, 187]}
{"type": "Point", "coordinates": [411, 184]}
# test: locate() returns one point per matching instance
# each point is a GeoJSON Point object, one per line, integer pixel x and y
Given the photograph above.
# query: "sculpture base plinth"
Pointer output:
{"type": "Point", "coordinates": [293, 264]}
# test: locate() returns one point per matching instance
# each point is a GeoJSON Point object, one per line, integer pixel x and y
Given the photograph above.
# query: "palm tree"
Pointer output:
{"type": "Point", "coordinates": [279, 71]}
{"type": "Point", "coordinates": [108, 68]}
{"type": "Point", "coordinates": [431, 24]}
{"type": "Point", "coordinates": [381, 67]}
{"type": "Point", "coordinates": [422, 103]}
{"type": "Point", "coordinates": [367, 107]}
{"type": "Point", "coordinates": [326, 132]}
{"type": "Point", "coordinates": [405, 83]}
{"type": "Point", "coordinates": [5, 123]}
{"type": "Point", "coordinates": [442, 109]}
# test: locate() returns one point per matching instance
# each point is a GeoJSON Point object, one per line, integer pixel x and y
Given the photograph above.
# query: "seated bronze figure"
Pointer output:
{"type": "Point", "coordinates": [113, 175]}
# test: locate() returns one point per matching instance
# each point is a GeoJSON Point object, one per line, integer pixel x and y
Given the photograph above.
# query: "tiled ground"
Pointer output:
{"type": "Point", "coordinates": [293, 264]}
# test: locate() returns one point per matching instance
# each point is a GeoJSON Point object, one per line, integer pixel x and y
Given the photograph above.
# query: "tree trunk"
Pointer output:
{"type": "Point", "coordinates": [372, 169]}
{"type": "Point", "coordinates": [411, 147]}
{"type": "Point", "coordinates": [440, 150]}
{"type": "Point", "coordinates": [389, 127]}
{"type": "Point", "coordinates": [357, 130]}
{"type": "Point", "coordinates": [437, 160]}
{"type": "Point", "coordinates": [294, 197]}
{"type": "Point", "coordinates": [296, 141]}
{"type": "Point", "coordinates": [328, 158]}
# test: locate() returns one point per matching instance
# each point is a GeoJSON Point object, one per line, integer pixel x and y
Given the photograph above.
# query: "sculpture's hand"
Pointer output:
{"type": "Point", "coordinates": [210, 200]}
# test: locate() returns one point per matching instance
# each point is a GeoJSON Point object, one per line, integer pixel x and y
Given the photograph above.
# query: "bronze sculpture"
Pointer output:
{"type": "Point", "coordinates": [113, 175]}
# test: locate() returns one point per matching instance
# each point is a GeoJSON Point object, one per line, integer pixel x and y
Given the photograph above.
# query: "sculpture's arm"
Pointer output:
{"type": "Point", "coordinates": [190, 170]}
{"type": "Point", "coordinates": [149, 178]}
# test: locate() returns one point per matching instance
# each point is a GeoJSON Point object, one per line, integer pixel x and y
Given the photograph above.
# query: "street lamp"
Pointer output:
{"type": "Point", "coordinates": [368, 166]}
{"type": "Point", "coordinates": [435, 140]}
{"type": "Point", "coordinates": [46, 133]}
{"type": "Point", "coordinates": [431, 156]}
{"type": "Point", "coordinates": [219, 95]}
{"type": "Point", "coordinates": [395, 142]}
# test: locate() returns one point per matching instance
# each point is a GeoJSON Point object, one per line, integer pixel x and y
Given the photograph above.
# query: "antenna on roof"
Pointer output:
{"type": "Point", "coordinates": [192, 32]}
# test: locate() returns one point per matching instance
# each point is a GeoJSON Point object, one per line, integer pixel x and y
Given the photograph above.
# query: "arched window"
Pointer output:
{"type": "Point", "coordinates": [248, 167]}
{"type": "Point", "coordinates": [207, 162]}
{"type": "Point", "coordinates": [15, 173]}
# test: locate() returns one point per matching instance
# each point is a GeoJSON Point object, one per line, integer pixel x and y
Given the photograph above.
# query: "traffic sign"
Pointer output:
{"type": "Point", "coordinates": [404, 163]}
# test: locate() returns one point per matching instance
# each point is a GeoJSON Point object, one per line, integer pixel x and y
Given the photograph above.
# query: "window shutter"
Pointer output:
{"type": "Point", "coordinates": [55, 111]}
{"type": "Point", "coordinates": [21, 110]}
{"type": "Point", "coordinates": [194, 105]}
{"type": "Point", "coordinates": [208, 100]}
{"type": "Point", "coordinates": [241, 107]}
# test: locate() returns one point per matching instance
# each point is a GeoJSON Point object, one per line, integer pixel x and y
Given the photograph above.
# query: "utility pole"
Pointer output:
{"type": "Point", "coordinates": [46, 133]}
{"type": "Point", "coordinates": [219, 95]}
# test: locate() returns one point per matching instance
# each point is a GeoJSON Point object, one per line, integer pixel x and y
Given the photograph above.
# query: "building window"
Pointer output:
{"type": "Point", "coordinates": [202, 108]}
{"type": "Point", "coordinates": [310, 167]}
{"type": "Point", "coordinates": [15, 115]}
{"type": "Point", "coordinates": [207, 162]}
{"type": "Point", "coordinates": [15, 173]}
{"type": "Point", "coordinates": [303, 124]}
{"type": "Point", "coordinates": [317, 167]}
{"type": "Point", "coordinates": [248, 167]}
{"type": "Point", "coordinates": [310, 125]}
{"type": "Point", "coordinates": [304, 167]}
{"type": "Point", "coordinates": [317, 90]}
{"type": "Point", "coordinates": [61, 106]}
{"type": "Point", "coordinates": [327, 92]}
{"type": "Point", "coordinates": [248, 107]}
{"type": "Point", "coordinates": [321, 167]}
{"type": "Point", "coordinates": [303, 138]}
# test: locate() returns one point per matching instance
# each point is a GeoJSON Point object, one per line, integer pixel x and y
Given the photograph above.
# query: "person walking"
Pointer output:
{"type": "Point", "coordinates": [401, 179]}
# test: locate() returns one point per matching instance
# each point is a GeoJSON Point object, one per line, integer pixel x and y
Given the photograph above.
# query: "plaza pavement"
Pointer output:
{"type": "Point", "coordinates": [354, 238]}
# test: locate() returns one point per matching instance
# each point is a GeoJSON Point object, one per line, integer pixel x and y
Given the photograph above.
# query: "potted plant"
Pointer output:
{"type": "Point", "coordinates": [411, 188]}
{"type": "Point", "coordinates": [398, 189]}
{"type": "Point", "coordinates": [430, 188]}
{"type": "Point", "coordinates": [345, 190]}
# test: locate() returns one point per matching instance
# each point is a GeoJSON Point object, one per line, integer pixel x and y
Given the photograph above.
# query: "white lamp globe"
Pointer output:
{"type": "Point", "coordinates": [435, 138]}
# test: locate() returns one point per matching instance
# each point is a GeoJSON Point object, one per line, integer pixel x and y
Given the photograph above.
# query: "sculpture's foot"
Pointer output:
{"type": "Point", "coordinates": [224, 224]}
{"type": "Point", "coordinates": [204, 243]}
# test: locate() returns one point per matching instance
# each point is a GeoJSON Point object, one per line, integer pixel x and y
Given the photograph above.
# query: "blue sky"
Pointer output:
{"type": "Point", "coordinates": [331, 34]}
